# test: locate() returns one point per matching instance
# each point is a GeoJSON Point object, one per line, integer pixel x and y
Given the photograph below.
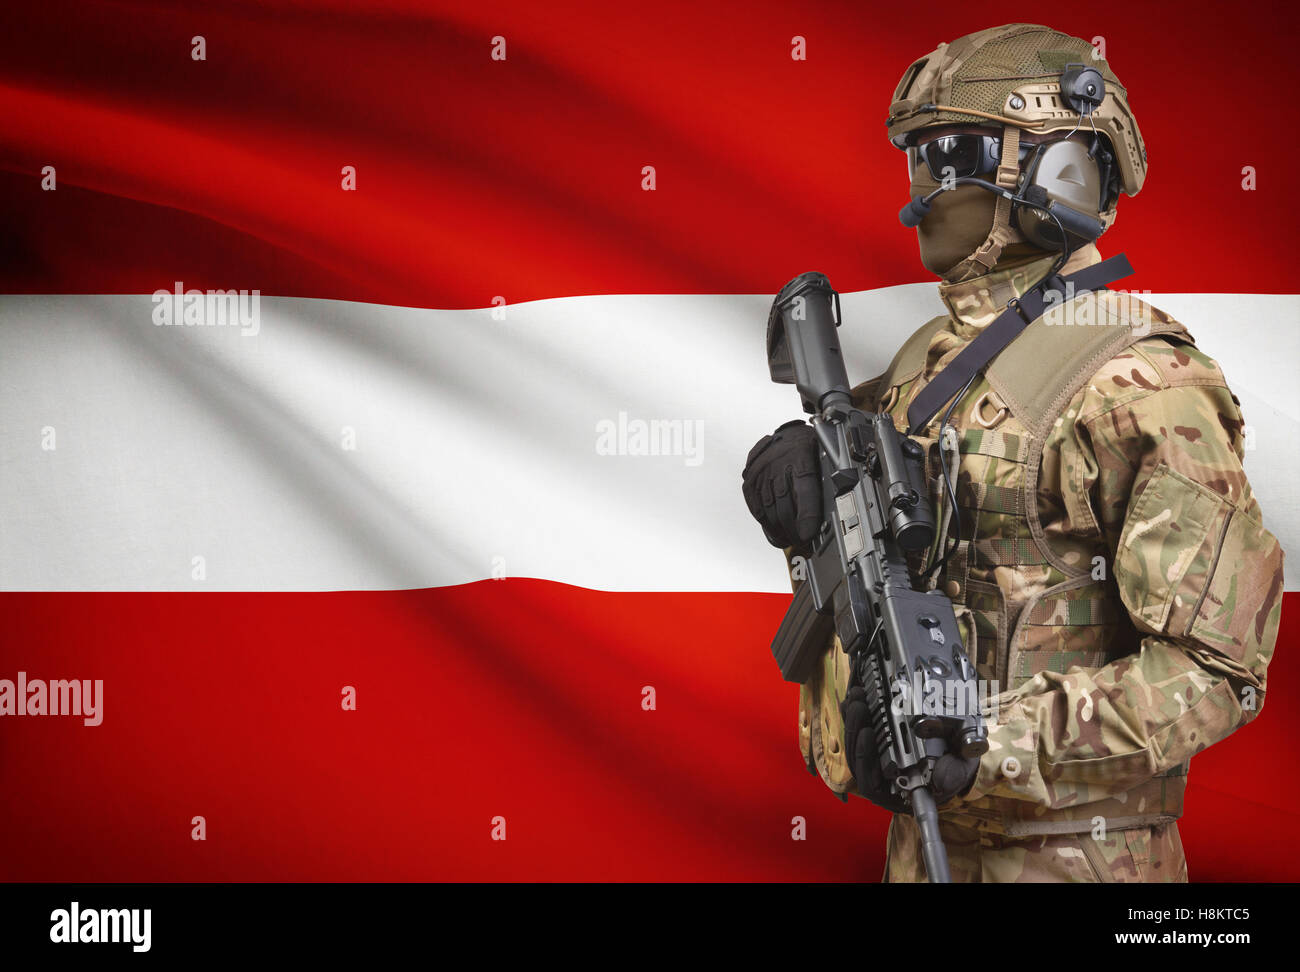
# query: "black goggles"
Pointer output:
{"type": "Point", "coordinates": [959, 156]}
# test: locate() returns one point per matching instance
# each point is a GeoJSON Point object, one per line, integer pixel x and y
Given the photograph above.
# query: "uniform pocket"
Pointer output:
{"type": "Point", "coordinates": [1239, 607]}
{"type": "Point", "coordinates": [1191, 564]}
{"type": "Point", "coordinates": [1076, 627]}
{"type": "Point", "coordinates": [1167, 550]}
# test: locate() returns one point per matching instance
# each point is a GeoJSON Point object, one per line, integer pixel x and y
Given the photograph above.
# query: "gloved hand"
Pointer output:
{"type": "Point", "coordinates": [953, 775]}
{"type": "Point", "coordinates": [782, 483]}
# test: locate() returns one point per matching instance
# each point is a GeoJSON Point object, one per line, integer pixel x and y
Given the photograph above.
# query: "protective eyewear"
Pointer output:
{"type": "Point", "coordinates": [959, 156]}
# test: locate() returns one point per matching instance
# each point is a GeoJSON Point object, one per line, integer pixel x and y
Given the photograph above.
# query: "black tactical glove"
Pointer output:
{"type": "Point", "coordinates": [782, 483]}
{"type": "Point", "coordinates": [952, 776]}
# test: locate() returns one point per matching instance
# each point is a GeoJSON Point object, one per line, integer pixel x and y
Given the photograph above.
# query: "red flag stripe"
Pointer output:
{"type": "Point", "coordinates": [520, 699]}
{"type": "Point", "coordinates": [523, 178]}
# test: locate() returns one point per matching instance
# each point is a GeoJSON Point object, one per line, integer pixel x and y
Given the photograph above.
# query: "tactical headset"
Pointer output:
{"type": "Point", "coordinates": [1064, 186]}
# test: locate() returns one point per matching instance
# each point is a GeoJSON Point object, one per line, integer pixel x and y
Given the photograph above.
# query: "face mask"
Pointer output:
{"type": "Point", "coordinates": [957, 224]}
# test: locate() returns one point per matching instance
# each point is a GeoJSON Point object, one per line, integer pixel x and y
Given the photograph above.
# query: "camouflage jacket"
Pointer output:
{"type": "Point", "coordinates": [1118, 587]}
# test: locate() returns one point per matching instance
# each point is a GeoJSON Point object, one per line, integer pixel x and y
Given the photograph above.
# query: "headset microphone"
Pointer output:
{"type": "Point", "coordinates": [1069, 220]}
{"type": "Point", "coordinates": [915, 211]}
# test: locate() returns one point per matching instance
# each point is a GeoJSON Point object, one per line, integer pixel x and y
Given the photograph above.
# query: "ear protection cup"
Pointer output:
{"type": "Point", "coordinates": [1061, 172]}
{"type": "Point", "coordinates": [1067, 172]}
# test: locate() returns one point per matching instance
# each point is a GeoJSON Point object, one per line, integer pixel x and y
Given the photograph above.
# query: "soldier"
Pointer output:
{"type": "Point", "coordinates": [1108, 560]}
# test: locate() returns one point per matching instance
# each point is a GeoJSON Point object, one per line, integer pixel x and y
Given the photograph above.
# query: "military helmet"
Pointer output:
{"type": "Point", "coordinates": [1011, 75]}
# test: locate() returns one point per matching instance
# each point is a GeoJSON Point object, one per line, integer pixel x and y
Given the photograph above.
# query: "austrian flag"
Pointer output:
{"type": "Point", "coordinates": [375, 385]}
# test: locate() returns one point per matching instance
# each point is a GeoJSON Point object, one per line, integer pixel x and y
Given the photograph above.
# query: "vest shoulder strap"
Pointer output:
{"type": "Point", "coordinates": [1041, 370]}
{"type": "Point", "coordinates": [910, 359]}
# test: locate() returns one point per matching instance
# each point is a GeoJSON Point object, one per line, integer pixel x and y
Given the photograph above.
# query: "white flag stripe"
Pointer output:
{"type": "Point", "coordinates": [479, 444]}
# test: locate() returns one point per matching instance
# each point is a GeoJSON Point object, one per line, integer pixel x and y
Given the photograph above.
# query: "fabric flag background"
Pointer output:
{"type": "Point", "coordinates": [419, 476]}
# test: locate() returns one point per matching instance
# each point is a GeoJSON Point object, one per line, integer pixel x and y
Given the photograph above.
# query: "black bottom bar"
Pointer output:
{"type": "Point", "coordinates": [214, 921]}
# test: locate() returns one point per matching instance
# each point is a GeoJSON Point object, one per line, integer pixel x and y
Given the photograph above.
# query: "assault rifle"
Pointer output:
{"type": "Point", "coordinates": [904, 644]}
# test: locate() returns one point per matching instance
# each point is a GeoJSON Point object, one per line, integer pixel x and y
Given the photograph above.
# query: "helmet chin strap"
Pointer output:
{"type": "Point", "coordinates": [1002, 233]}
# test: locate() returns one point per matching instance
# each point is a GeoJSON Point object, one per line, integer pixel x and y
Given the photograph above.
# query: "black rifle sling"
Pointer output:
{"type": "Point", "coordinates": [990, 342]}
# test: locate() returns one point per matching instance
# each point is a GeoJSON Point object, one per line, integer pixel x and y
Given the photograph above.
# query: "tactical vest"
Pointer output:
{"type": "Point", "coordinates": [1031, 602]}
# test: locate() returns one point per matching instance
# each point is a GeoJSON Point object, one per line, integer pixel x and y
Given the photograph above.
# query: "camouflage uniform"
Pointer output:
{"type": "Point", "coordinates": [1115, 581]}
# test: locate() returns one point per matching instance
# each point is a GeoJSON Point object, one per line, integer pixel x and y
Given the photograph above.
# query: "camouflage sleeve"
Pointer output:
{"type": "Point", "coordinates": [1159, 477]}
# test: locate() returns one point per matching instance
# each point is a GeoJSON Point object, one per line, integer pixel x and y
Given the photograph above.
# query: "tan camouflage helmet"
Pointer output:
{"type": "Point", "coordinates": [1010, 75]}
